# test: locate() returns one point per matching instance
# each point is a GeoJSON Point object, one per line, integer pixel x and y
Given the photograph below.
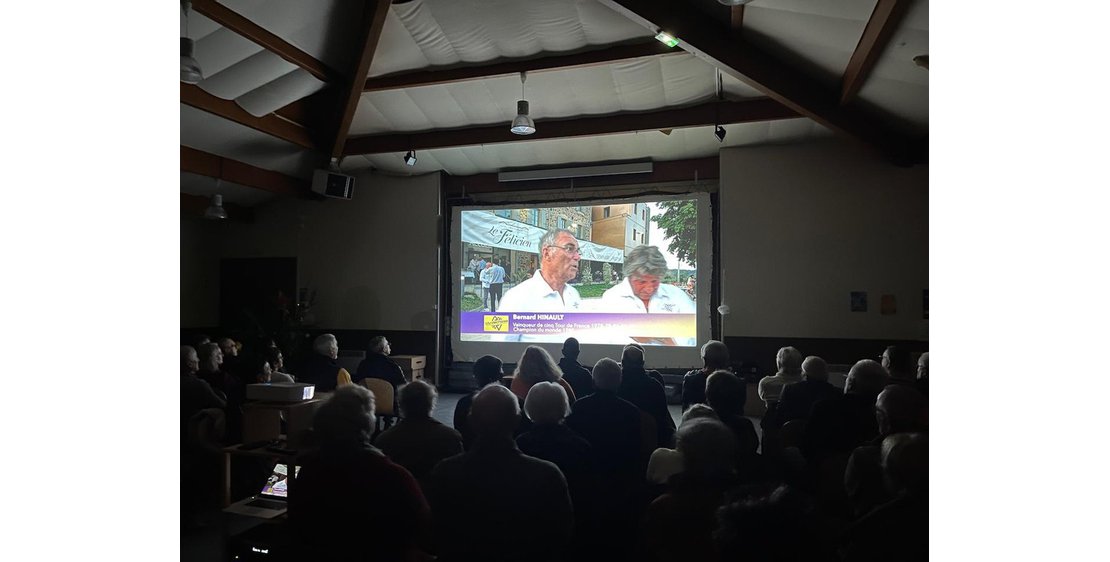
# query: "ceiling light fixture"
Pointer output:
{"type": "Point", "coordinates": [410, 158]}
{"type": "Point", "coordinates": [190, 70]}
{"type": "Point", "coordinates": [666, 38]}
{"type": "Point", "coordinates": [718, 130]}
{"type": "Point", "coordinates": [922, 61]}
{"type": "Point", "coordinates": [522, 124]}
{"type": "Point", "coordinates": [216, 209]}
{"type": "Point", "coordinates": [734, 2]}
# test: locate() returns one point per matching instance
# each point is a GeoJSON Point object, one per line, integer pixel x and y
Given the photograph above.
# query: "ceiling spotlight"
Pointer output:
{"type": "Point", "coordinates": [719, 132]}
{"type": "Point", "coordinates": [922, 61]}
{"type": "Point", "coordinates": [522, 124]}
{"type": "Point", "coordinates": [190, 70]}
{"type": "Point", "coordinates": [734, 2]}
{"type": "Point", "coordinates": [410, 158]}
{"type": "Point", "coordinates": [667, 39]}
{"type": "Point", "coordinates": [216, 209]}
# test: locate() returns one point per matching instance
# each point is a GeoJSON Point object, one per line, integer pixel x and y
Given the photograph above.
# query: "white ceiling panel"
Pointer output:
{"type": "Point", "coordinates": [324, 29]}
{"type": "Point", "coordinates": [207, 132]}
{"type": "Point", "coordinates": [819, 44]}
{"type": "Point", "coordinates": [448, 32]}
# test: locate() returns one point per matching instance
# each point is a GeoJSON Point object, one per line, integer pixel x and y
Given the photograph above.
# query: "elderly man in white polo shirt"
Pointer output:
{"type": "Point", "coordinates": [547, 290]}
{"type": "Point", "coordinates": [641, 290]}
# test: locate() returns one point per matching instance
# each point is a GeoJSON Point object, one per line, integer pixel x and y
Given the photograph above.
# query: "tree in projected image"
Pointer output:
{"type": "Point", "coordinates": [679, 222]}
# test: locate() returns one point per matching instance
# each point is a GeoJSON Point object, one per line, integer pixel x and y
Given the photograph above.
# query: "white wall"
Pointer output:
{"type": "Point", "coordinates": [804, 225]}
{"type": "Point", "coordinates": [372, 260]}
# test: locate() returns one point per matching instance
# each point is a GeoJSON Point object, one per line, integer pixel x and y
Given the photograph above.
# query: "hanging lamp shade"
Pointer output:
{"type": "Point", "coordinates": [523, 124]}
{"type": "Point", "coordinates": [216, 209]}
{"type": "Point", "coordinates": [190, 70]}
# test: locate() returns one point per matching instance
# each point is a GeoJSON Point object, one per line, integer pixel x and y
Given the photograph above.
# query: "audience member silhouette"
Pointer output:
{"type": "Point", "coordinates": [211, 368]}
{"type": "Point", "coordinates": [923, 374]}
{"type": "Point", "coordinates": [418, 442]}
{"type": "Point", "coordinates": [798, 398]}
{"type": "Point", "coordinates": [350, 501]}
{"type": "Point", "coordinates": [898, 529]}
{"type": "Point", "coordinates": [839, 425]}
{"type": "Point", "coordinates": [715, 357]}
{"type": "Point", "coordinates": [488, 369]}
{"type": "Point", "coordinates": [277, 365]}
{"type": "Point", "coordinates": [726, 394]}
{"type": "Point", "coordinates": [494, 486]}
{"type": "Point", "coordinates": [577, 375]}
{"type": "Point", "coordinates": [655, 375]}
{"type": "Point", "coordinates": [536, 365]}
{"type": "Point", "coordinates": [788, 362]}
{"type": "Point", "coordinates": [321, 368]}
{"type": "Point", "coordinates": [898, 409]}
{"type": "Point", "coordinates": [899, 364]}
{"type": "Point", "coordinates": [551, 440]}
{"type": "Point", "coordinates": [196, 394]}
{"type": "Point", "coordinates": [646, 393]}
{"type": "Point", "coordinates": [780, 526]}
{"type": "Point", "coordinates": [612, 427]}
{"type": "Point", "coordinates": [665, 462]}
{"type": "Point", "coordinates": [378, 365]}
{"type": "Point", "coordinates": [679, 524]}
{"type": "Point", "coordinates": [233, 362]}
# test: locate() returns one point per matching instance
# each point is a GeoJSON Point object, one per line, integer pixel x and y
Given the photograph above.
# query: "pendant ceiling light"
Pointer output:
{"type": "Point", "coordinates": [190, 70]}
{"type": "Point", "coordinates": [216, 209]}
{"type": "Point", "coordinates": [523, 125]}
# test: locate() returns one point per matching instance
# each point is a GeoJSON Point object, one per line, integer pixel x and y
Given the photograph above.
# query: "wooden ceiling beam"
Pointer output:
{"type": "Point", "coordinates": [714, 43]}
{"type": "Point", "coordinates": [194, 205]}
{"type": "Point", "coordinates": [234, 21]}
{"type": "Point", "coordinates": [723, 113]}
{"type": "Point", "coordinates": [515, 66]}
{"type": "Point", "coordinates": [880, 27]}
{"type": "Point", "coordinates": [214, 166]}
{"type": "Point", "coordinates": [375, 12]}
{"type": "Point", "coordinates": [736, 15]}
{"type": "Point", "coordinates": [270, 124]}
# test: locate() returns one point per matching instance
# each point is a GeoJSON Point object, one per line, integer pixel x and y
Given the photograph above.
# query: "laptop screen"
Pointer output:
{"type": "Point", "coordinates": [277, 485]}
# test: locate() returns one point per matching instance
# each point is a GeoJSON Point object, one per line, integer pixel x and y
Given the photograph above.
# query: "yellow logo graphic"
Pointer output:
{"type": "Point", "coordinates": [496, 323]}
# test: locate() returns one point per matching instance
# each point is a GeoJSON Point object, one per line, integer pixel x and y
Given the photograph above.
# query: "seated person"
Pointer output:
{"type": "Point", "coordinates": [488, 370]}
{"type": "Point", "coordinates": [838, 425]}
{"type": "Point", "coordinates": [898, 363]}
{"type": "Point", "coordinates": [577, 375]}
{"type": "Point", "coordinates": [196, 394]}
{"type": "Point", "coordinates": [321, 368]}
{"type": "Point", "coordinates": [798, 398]}
{"type": "Point", "coordinates": [277, 365]}
{"type": "Point", "coordinates": [551, 440]}
{"type": "Point", "coordinates": [782, 526]}
{"type": "Point", "coordinates": [679, 524]}
{"type": "Point", "coordinates": [715, 357]}
{"type": "Point", "coordinates": [788, 361]}
{"type": "Point", "coordinates": [350, 502]}
{"type": "Point", "coordinates": [646, 393]}
{"type": "Point", "coordinates": [418, 442]}
{"type": "Point", "coordinates": [232, 361]}
{"type": "Point", "coordinates": [898, 409]}
{"type": "Point", "coordinates": [726, 394]}
{"type": "Point", "coordinates": [898, 529]}
{"type": "Point", "coordinates": [211, 368]}
{"type": "Point", "coordinates": [377, 365]}
{"type": "Point", "coordinates": [496, 487]}
{"type": "Point", "coordinates": [536, 365]}
{"type": "Point", "coordinates": [665, 462]}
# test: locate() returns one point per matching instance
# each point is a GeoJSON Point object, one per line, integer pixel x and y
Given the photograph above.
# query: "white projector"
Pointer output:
{"type": "Point", "coordinates": [281, 391]}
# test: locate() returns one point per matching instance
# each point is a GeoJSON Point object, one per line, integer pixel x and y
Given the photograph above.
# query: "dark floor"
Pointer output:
{"type": "Point", "coordinates": [205, 539]}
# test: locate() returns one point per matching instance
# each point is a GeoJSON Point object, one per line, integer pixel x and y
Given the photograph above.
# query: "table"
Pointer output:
{"type": "Point", "coordinates": [261, 452]}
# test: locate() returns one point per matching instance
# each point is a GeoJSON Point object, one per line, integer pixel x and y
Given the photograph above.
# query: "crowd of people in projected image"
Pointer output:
{"type": "Point", "coordinates": [554, 460]}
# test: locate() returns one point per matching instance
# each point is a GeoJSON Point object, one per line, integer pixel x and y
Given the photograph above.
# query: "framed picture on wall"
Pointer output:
{"type": "Point", "coordinates": [859, 301]}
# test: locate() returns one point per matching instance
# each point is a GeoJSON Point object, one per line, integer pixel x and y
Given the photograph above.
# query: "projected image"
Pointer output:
{"type": "Point", "coordinates": [617, 273]}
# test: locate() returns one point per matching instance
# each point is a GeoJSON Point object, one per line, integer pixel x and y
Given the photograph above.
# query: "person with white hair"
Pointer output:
{"type": "Point", "coordinates": [496, 486]}
{"type": "Point", "coordinates": [551, 440]}
{"type": "Point", "coordinates": [196, 394]}
{"type": "Point", "coordinates": [548, 290]}
{"type": "Point", "coordinates": [643, 289]}
{"type": "Point", "coordinates": [798, 398]}
{"type": "Point", "coordinates": [321, 368]}
{"type": "Point", "coordinates": [788, 361]}
{"type": "Point", "coordinates": [348, 481]}
{"type": "Point", "coordinates": [838, 425]}
{"type": "Point", "coordinates": [715, 357]}
{"type": "Point", "coordinates": [418, 442]}
{"type": "Point", "coordinates": [679, 524]}
{"type": "Point", "coordinates": [378, 365]}
{"type": "Point", "coordinates": [923, 374]}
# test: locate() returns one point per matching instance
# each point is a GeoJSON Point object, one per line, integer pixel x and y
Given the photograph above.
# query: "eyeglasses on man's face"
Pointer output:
{"type": "Point", "coordinates": [569, 248]}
